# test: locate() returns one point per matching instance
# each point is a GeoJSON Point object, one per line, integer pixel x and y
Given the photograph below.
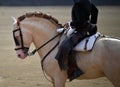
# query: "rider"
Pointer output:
{"type": "Point", "coordinates": [84, 20]}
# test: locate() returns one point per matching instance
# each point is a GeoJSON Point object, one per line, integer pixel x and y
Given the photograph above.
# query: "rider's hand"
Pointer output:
{"type": "Point", "coordinates": [60, 30]}
{"type": "Point", "coordinates": [67, 25]}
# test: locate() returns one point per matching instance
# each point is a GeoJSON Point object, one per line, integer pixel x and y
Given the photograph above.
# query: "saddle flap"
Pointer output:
{"type": "Point", "coordinates": [87, 43]}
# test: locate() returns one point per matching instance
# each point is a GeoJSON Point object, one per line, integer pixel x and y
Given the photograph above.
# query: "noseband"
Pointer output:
{"type": "Point", "coordinates": [21, 43]}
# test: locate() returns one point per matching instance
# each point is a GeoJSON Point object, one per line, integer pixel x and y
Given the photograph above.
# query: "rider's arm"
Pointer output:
{"type": "Point", "coordinates": [94, 14]}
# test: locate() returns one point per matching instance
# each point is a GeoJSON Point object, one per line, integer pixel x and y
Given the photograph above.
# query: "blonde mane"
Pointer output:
{"type": "Point", "coordinates": [39, 15]}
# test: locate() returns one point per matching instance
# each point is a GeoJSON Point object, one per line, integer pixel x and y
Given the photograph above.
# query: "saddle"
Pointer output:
{"type": "Point", "coordinates": [87, 44]}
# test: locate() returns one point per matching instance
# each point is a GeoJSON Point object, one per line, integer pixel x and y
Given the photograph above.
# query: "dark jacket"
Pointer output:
{"type": "Point", "coordinates": [82, 12]}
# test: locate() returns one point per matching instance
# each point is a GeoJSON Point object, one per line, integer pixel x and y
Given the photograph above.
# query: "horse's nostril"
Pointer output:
{"type": "Point", "coordinates": [19, 55]}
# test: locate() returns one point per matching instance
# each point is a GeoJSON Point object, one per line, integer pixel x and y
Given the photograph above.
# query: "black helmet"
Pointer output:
{"type": "Point", "coordinates": [77, 1]}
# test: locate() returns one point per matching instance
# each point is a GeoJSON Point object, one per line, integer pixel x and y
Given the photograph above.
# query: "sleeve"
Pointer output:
{"type": "Point", "coordinates": [94, 14]}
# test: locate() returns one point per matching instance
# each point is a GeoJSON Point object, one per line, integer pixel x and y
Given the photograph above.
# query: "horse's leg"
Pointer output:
{"type": "Point", "coordinates": [59, 80]}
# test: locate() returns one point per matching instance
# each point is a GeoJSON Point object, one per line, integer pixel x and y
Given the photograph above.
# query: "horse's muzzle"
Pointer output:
{"type": "Point", "coordinates": [21, 54]}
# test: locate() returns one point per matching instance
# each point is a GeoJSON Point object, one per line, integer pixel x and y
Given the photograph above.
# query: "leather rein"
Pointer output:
{"type": "Point", "coordinates": [37, 49]}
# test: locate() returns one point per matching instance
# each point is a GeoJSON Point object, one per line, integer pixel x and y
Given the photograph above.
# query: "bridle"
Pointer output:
{"type": "Point", "coordinates": [21, 43]}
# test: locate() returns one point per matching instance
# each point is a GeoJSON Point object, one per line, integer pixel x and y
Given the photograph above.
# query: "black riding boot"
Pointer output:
{"type": "Point", "coordinates": [75, 74]}
{"type": "Point", "coordinates": [73, 71]}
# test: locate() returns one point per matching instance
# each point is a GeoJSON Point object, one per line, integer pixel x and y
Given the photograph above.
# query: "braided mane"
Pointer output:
{"type": "Point", "coordinates": [40, 15]}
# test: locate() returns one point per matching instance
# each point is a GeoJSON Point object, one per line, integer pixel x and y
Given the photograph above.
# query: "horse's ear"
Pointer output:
{"type": "Point", "coordinates": [14, 20]}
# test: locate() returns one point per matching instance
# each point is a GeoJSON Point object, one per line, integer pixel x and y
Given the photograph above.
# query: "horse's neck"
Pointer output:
{"type": "Point", "coordinates": [43, 32]}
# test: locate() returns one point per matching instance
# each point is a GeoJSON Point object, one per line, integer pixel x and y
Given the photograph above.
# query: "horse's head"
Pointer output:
{"type": "Point", "coordinates": [29, 28]}
{"type": "Point", "coordinates": [22, 38]}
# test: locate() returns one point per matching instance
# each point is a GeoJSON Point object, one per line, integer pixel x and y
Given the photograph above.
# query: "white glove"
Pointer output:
{"type": "Point", "coordinates": [70, 31]}
{"type": "Point", "coordinates": [60, 30]}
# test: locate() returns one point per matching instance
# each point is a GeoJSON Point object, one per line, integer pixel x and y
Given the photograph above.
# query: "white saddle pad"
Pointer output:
{"type": "Point", "coordinates": [87, 44]}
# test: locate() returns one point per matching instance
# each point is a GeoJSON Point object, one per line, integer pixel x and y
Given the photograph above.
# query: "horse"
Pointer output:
{"type": "Point", "coordinates": [38, 28]}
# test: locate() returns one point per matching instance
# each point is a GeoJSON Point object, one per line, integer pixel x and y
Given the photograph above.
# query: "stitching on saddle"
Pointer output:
{"type": "Point", "coordinates": [40, 15]}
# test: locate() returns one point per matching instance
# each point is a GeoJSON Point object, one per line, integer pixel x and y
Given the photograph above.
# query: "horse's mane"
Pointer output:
{"type": "Point", "coordinates": [40, 15]}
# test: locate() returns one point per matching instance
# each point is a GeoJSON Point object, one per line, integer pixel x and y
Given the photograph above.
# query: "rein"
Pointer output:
{"type": "Point", "coordinates": [35, 50]}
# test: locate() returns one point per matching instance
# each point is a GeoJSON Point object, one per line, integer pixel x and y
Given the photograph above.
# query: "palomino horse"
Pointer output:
{"type": "Point", "coordinates": [103, 60]}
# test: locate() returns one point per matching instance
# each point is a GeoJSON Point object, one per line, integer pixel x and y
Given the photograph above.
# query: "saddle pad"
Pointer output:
{"type": "Point", "coordinates": [87, 43]}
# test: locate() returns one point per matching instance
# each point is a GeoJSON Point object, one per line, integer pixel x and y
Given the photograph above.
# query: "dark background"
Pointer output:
{"type": "Point", "coordinates": [52, 2]}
